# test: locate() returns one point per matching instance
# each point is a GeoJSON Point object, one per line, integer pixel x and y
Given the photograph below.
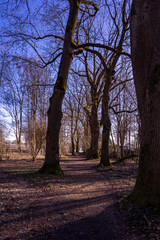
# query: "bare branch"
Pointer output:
{"type": "Point", "coordinates": [28, 36]}
{"type": "Point", "coordinates": [123, 111]}
{"type": "Point", "coordinates": [82, 47]}
{"type": "Point", "coordinates": [94, 5]}
{"type": "Point", "coordinates": [54, 59]}
{"type": "Point", "coordinates": [122, 82]}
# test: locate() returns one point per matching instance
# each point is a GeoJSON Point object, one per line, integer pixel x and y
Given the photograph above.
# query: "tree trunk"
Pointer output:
{"type": "Point", "coordinates": [72, 134]}
{"type": "Point", "coordinates": [94, 139]}
{"type": "Point", "coordinates": [94, 126]}
{"type": "Point", "coordinates": [73, 147]}
{"type": "Point", "coordinates": [18, 138]}
{"type": "Point", "coordinates": [129, 137]}
{"type": "Point", "coordinates": [122, 145]}
{"type": "Point", "coordinates": [118, 133]}
{"type": "Point", "coordinates": [106, 124]}
{"type": "Point", "coordinates": [122, 137]}
{"type": "Point", "coordinates": [77, 142]}
{"type": "Point", "coordinates": [51, 164]}
{"type": "Point", "coordinates": [19, 146]}
{"type": "Point", "coordinates": [86, 134]}
{"type": "Point", "coordinates": [33, 140]}
{"type": "Point", "coordinates": [114, 147]}
{"type": "Point", "coordinates": [145, 39]}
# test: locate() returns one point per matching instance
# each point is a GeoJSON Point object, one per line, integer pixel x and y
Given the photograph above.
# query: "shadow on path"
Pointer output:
{"type": "Point", "coordinates": [80, 205]}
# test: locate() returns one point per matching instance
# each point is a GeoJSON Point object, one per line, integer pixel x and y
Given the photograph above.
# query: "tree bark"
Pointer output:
{"type": "Point", "coordinates": [33, 140]}
{"type": "Point", "coordinates": [122, 145]}
{"type": "Point", "coordinates": [94, 126]}
{"type": "Point", "coordinates": [19, 129]}
{"type": "Point", "coordinates": [19, 146]}
{"type": "Point", "coordinates": [86, 134]}
{"type": "Point", "coordinates": [72, 134]}
{"type": "Point", "coordinates": [94, 138]}
{"type": "Point", "coordinates": [73, 146]}
{"type": "Point", "coordinates": [77, 142]}
{"type": "Point", "coordinates": [145, 40]}
{"type": "Point", "coordinates": [51, 163]}
{"type": "Point", "coordinates": [106, 123]}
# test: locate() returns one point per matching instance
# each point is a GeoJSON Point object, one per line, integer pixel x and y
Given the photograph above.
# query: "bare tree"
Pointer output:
{"type": "Point", "coordinates": [2, 140]}
{"type": "Point", "coordinates": [72, 113]}
{"type": "Point", "coordinates": [91, 74]}
{"type": "Point", "coordinates": [25, 32]}
{"type": "Point", "coordinates": [114, 49]}
{"type": "Point", "coordinates": [36, 108]}
{"type": "Point", "coordinates": [94, 78]}
{"type": "Point", "coordinates": [13, 92]}
{"type": "Point", "coordinates": [51, 163]}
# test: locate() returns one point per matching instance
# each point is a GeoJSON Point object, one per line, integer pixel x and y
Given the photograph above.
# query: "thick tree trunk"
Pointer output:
{"type": "Point", "coordinates": [145, 40]}
{"type": "Point", "coordinates": [106, 124]}
{"type": "Point", "coordinates": [86, 134]}
{"type": "Point", "coordinates": [94, 140]}
{"type": "Point", "coordinates": [51, 164]}
{"type": "Point", "coordinates": [77, 143]}
{"type": "Point", "coordinates": [105, 161]}
{"type": "Point", "coordinates": [94, 126]}
{"type": "Point", "coordinates": [122, 142]}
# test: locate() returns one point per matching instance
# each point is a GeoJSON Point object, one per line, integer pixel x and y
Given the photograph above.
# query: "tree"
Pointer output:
{"type": "Point", "coordinates": [114, 49]}
{"type": "Point", "coordinates": [12, 97]}
{"type": "Point", "coordinates": [113, 45]}
{"type": "Point", "coordinates": [123, 116]}
{"type": "Point", "coordinates": [36, 108]}
{"type": "Point", "coordinates": [2, 140]}
{"type": "Point", "coordinates": [145, 39]}
{"type": "Point", "coordinates": [24, 32]}
{"type": "Point", "coordinates": [92, 75]}
{"type": "Point", "coordinates": [72, 110]}
{"type": "Point", "coordinates": [51, 163]}
{"type": "Point", "coordinates": [123, 105]}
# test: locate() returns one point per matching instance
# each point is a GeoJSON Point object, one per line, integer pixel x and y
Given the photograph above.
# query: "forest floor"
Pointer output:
{"type": "Point", "coordinates": [86, 203]}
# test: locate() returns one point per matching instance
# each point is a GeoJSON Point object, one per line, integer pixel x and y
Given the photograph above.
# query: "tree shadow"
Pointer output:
{"type": "Point", "coordinates": [104, 226]}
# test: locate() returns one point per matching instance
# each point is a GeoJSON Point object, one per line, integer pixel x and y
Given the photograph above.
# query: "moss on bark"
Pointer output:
{"type": "Point", "coordinates": [145, 200]}
{"type": "Point", "coordinates": [51, 169]}
{"type": "Point", "coordinates": [90, 155]}
{"type": "Point", "coordinates": [60, 84]}
{"type": "Point", "coordinates": [105, 164]}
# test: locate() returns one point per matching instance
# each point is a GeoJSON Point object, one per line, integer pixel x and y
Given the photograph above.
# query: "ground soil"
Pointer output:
{"type": "Point", "coordinates": [86, 203]}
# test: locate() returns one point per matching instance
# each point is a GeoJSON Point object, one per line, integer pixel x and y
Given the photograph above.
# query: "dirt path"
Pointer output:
{"type": "Point", "coordinates": [80, 205]}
